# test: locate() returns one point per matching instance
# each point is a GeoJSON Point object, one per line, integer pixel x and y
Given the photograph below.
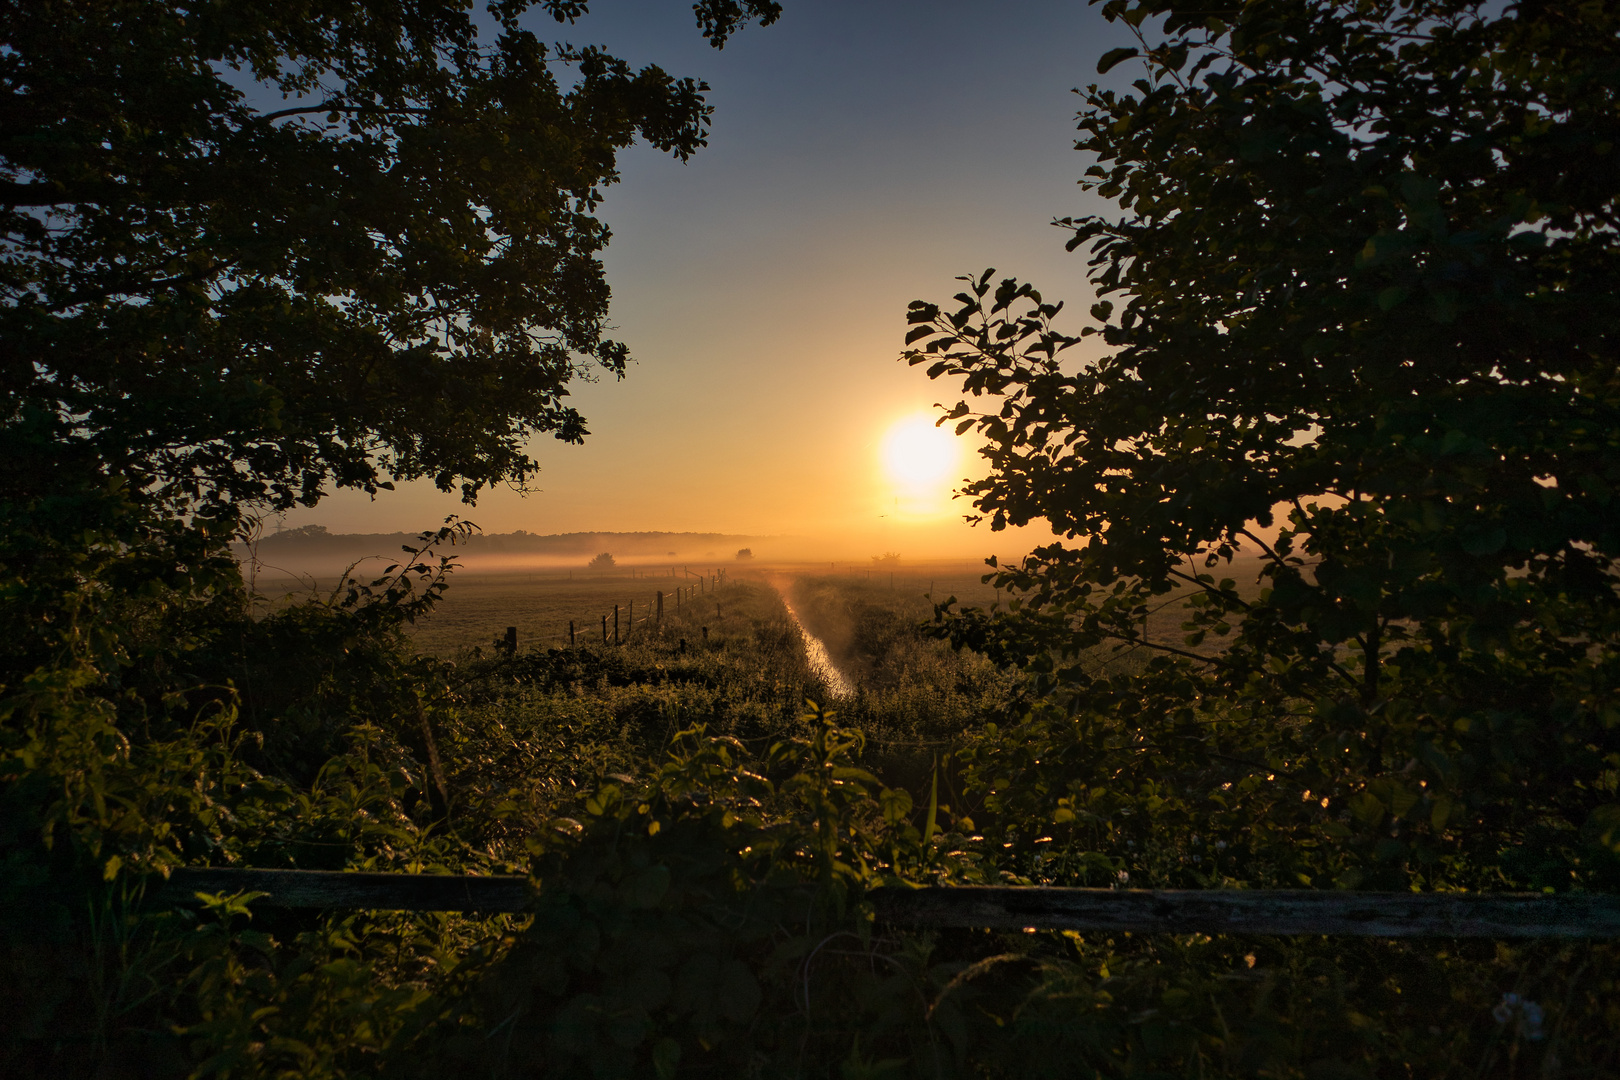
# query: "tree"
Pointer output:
{"type": "Point", "coordinates": [388, 272]}
{"type": "Point", "coordinates": [744, 554]}
{"type": "Point", "coordinates": [1360, 320]}
{"type": "Point", "coordinates": [602, 563]}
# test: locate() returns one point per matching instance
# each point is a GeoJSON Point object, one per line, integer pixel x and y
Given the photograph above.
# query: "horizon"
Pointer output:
{"type": "Point", "coordinates": [297, 552]}
{"type": "Point", "coordinates": [762, 287]}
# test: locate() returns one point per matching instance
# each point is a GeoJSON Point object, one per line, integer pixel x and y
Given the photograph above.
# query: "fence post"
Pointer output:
{"type": "Point", "coordinates": [615, 624]}
{"type": "Point", "coordinates": [660, 605]}
{"type": "Point", "coordinates": [570, 633]}
{"type": "Point", "coordinates": [604, 629]}
{"type": "Point", "coordinates": [705, 635]}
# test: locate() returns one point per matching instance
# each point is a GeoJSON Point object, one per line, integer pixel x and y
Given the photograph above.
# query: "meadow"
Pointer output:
{"type": "Point", "coordinates": [593, 734]}
{"type": "Point", "coordinates": [540, 603]}
{"type": "Point", "coordinates": [704, 841]}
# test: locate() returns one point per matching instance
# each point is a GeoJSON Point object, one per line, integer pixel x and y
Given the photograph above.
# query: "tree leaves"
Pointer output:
{"type": "Point", "coordinates": [1352, 341]}
{"type": "Point", "coordinates": [394, 276]}
{"type": "Point", "coordinates": [1114, 57]}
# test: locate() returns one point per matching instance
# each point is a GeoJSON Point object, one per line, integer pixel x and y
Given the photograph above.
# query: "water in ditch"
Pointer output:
{"type": "Point", "coordinates": [815, 651]}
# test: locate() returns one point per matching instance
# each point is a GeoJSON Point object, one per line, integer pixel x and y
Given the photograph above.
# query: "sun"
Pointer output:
{"type": "Point", "coordinates": [921, 459]}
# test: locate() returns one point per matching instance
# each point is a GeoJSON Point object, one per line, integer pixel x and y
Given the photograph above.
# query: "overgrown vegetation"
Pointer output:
{"type": "Point", "coordinates": [1369, 215]}
{"type": "Point", "coordinates": [703, 846]}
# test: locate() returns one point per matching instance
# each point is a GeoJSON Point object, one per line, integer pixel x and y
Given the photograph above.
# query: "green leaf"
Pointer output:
{"type": "Point", "coordinates": [896, 803]}
{"type": "Point", "coordinates": [666, 1058]}
{"type": "Point", "coordinates": [1602, 828]}
{"type": "Point", "coordinates": [1113, 57]}
{"type": "Point", "coordinates": [1366, 808]}
{"type": "Point", "coordinates": [1440, 813]}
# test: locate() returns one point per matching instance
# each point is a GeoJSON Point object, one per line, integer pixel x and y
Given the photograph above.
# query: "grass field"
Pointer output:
{"type": "Point", "coordinates": [479, 607]}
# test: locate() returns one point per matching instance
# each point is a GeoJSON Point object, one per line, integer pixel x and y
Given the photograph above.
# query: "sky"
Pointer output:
{"type": "Point", "coordinates": [862, 154]}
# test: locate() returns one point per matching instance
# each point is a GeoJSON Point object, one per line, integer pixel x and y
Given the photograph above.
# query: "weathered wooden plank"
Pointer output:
{"type": "Point", "coordinates": [337, 889]}
{"type": "Point", "coordinates": [1275, 912]}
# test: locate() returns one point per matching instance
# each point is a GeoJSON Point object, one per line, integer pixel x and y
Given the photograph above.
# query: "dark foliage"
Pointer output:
{"type": "Point", "coordinates": [253, 251]}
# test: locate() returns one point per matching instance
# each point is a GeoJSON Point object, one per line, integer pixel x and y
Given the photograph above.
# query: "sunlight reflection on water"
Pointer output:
{"type": "Point", "coordinates": [816, 653]}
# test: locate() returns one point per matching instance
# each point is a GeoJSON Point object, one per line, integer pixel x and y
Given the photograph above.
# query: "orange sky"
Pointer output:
{"type": "Point", "coordinates": [861, 157]}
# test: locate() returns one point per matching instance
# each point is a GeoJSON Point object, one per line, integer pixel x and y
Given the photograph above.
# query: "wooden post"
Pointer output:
{"type": "Point", "coordinates": [705, 635]}
{"type": "Point", "coordinates": [660, 605]}
{"type": "Point", "coordinates": [441, 805]}
{"type": "Point", "coordinates": [570, 633]}
{"type": "Point", "coordinates": [615, 624]}
{"type": "Point", "coordinates": [630, 623]}
{"type": "Point", "coordinates": [604, 629]}
{"type": "Point", "coordinates": [511, 641]}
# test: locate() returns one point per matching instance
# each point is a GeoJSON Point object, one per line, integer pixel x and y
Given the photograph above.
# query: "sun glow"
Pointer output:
{"type": "Point", "coordinates": [921, 461]}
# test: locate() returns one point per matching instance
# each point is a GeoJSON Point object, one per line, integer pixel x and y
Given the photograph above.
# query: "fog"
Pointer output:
{"type": "Point", "coordinates": [314, 553]}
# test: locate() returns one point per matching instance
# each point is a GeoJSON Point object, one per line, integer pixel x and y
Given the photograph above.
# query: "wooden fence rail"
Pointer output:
{"type": "Point", "coordinates": [338, 889]}
{"type": "Point", "coordinates": [1277, 912]}
{"type": "Point", "coordinates": [1273, 912]}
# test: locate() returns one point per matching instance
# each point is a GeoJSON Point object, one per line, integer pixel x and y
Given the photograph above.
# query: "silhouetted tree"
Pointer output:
{"type": "Point", "coordinates": [251, 251]}
{"type": "Point", "coordinates": [1366, 331]}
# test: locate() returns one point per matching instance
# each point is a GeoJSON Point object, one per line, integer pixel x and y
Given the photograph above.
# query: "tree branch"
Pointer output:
{"type": "Point", "coordinates": [335, 107]}
{"type": "Point", "coordinates": [1232, 598]}
{"type": "Point", "coordinates": [40, 193]}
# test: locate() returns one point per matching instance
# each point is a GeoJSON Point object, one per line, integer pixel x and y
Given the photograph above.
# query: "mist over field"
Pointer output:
{"type": "Point", "coordinates": [540, 585]}
{"type": "Point", "coordinates": [316, 552]}
{"type": "Point", "coordinates": [313, 552]}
